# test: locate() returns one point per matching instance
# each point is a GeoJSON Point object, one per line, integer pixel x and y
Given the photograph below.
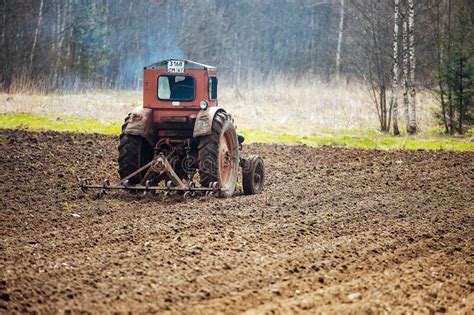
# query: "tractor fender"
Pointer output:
{"type": "Point", "coordinates": [203, 124]}
{"type": "Point", "coordinates": [140, 122]}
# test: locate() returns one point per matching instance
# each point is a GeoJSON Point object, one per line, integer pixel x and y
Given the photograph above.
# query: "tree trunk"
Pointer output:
{"type": "Point", "coordinates": [239, 66]}
{"type": "Point", "coordinates": [461, 96]}
{"type": "Point", "coordinates": [411, 53]}
{"type": "Point", "coordinates": [442, 91]}
{"type": "Point", "coordinates": [63, 12]}
{"type": "Point", "coordinates": [383, 107]}
{"type": "Point", "coordinates": [406, 99]}
{"type": "Point", "coordinates": [2, 54]}
{"type": "Point", "coordinates": [35, 39]}
{"type": "Point", "coordinates": [7, 74]}
{"type": "Point", "coordinates": [451, 111]}
{"type": "Point", "coordinates": [311, 46]}
{"type": "Point", "coordinates": [4, 18]}
{"type": "Point", "coordinates": [339, 41]}
{"type": "Point", "coordinates": [396, 67]}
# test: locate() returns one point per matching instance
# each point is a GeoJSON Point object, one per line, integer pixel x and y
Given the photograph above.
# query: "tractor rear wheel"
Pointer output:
{"type": "Point", "coordinates": [253, 175]}
{"type": "Point", "coordinates": [134, 152]}
{"type": "Point", "coordinates": [219, 155]}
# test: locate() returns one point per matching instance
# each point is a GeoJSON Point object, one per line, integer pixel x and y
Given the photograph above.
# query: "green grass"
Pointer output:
{"type": "Point", "coordinates": [58, 123]}
{"type": "Point", "coordinates": [364, 139]}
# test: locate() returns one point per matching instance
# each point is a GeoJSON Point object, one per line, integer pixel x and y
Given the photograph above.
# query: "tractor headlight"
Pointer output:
{"type": "Point", "coordinates": [203, 104]}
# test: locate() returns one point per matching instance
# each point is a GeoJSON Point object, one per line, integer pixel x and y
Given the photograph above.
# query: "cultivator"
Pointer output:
{"type": "Point", "coordinates": [158, 168]}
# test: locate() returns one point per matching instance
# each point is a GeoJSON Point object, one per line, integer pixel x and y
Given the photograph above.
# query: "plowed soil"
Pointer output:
{"type": "Point", "coordinates": [336, 230]}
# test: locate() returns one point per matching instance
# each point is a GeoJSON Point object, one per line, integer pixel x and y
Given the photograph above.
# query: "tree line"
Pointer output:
{"type": "Point", "coordinates": [107, 42]}
{"type": "Point", "coordinates": [396, 46]}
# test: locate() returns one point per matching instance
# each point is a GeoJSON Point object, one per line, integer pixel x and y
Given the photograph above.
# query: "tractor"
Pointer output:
{"type": "Point", "coordinates": [180, 140]}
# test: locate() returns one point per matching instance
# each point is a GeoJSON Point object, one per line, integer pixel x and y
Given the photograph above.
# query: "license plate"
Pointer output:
{"type": "Point", "coordinates": [176, 66]}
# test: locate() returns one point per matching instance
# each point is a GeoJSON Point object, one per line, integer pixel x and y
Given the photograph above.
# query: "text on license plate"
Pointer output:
{"type": "Point", "coordinates": [176, 66]}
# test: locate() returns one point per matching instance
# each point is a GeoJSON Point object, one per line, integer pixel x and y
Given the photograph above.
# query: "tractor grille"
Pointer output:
{"type": "Point", "coordinates": [175, 126]}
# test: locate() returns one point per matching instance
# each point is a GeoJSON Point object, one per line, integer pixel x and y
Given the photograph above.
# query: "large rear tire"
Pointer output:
{"type": "Point", "coordinates": [219, 155]}
{"type": "Point", "coordinates": [134, 153]}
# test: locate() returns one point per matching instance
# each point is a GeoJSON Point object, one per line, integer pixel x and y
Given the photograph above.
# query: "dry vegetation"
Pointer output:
{"type": "Point", "coordinates": [304, 107]}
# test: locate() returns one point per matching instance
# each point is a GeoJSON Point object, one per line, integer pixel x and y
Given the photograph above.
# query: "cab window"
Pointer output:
{"type": "Point", "coordinates": [212, 88]}
{"type": "Point", "coordinates": [176, 87]}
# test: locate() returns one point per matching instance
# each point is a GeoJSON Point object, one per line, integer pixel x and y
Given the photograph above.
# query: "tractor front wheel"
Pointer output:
{"type": "Point", "coordinates": [219, 155]}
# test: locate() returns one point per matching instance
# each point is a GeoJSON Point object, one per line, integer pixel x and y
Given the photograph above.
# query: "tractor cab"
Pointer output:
{"type": "Point", "coordinates": [179, 92]}
{"type": "Point", "coordinates": [179, 85]}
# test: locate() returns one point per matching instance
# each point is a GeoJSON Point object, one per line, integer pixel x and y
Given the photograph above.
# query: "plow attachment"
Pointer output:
{"type": "Point", "coordinates": [160, 167]}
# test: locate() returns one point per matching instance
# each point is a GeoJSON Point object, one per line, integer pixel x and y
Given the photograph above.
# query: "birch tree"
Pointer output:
{"type": "Point", "coordinates": [35, 39]}
{"type": "Point", "coordinates": [406, 98]}
{"type": "Point", "coordinates": [339, 40]}
{"type": "Point", "coordinates": [411, 54]}
{"type": "Point", "coordinates": [396, 67]}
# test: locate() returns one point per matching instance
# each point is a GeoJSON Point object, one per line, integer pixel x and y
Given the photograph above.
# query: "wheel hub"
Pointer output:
{"type": "Point", "coordinates": [225, 159]}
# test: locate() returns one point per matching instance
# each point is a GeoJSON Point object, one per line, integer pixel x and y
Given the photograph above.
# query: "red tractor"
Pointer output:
{"type": "Point", "coordinates": [181, 133]}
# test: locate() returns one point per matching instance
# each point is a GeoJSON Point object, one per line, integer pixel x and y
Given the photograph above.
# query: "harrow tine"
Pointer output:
{"type": "Point", "coordinates": [186, 195]}
{"type": "Point", "coordinates": [82, 184]}
{"type": "Point", "coordinates": [191, 189]}
{"type": "Point", "coordinates": [147, 187]}
{"type": "Point", "coordinates": [103, 191]}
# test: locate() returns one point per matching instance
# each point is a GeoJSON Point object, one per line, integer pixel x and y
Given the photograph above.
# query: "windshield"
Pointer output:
{"type": "Point", "coordinates": [175, 87]}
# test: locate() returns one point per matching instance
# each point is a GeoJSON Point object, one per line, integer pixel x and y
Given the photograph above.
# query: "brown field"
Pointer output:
{"type": "Point", "coordinates": [335, 231]}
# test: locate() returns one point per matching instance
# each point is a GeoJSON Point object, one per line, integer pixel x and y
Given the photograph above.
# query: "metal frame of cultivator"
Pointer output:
{"type": "Point", "coordinates": [158, 166]}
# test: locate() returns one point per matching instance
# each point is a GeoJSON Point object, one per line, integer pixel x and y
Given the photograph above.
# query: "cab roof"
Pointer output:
{"type": "Point", "coordinates": [188, 65]}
